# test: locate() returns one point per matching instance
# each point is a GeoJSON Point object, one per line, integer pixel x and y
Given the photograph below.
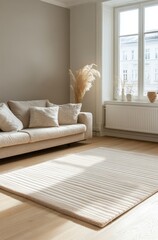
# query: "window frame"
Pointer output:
{"type": "Point", "coordinates": [141, 33]}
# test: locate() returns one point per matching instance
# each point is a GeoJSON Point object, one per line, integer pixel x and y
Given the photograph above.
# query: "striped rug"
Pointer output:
{"type": "Point", "coordinates": [95, 186]}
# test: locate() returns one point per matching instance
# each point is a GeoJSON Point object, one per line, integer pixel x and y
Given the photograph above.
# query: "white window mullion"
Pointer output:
{"type": "Point", "coordinates": [117, 54]}
{"type": "Point", "coordinates": [141, 54]}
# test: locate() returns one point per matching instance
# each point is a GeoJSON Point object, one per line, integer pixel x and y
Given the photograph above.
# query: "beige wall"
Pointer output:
{"type": "Point", "coordinates": [34, 51]}
{"type": "Point", "coordinates": [86, 47]}
{"type": "Point", "coordinates": [83, 47]}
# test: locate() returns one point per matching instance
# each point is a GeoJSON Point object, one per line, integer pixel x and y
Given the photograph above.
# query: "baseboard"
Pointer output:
{"type": "Point", "coordinates": [131, 135]}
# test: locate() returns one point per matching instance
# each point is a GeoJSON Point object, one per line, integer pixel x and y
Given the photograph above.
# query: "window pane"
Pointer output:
{"type": "Point", "coordinates": [129, 64]}
{"type": "Point", "coordinates": [129, 22]}
{"type": "Point", "coordinates": [151, 18]}
{"type": "Point", "coordinates": [151, 62]}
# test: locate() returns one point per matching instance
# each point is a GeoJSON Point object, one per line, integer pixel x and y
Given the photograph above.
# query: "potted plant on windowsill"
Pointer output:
{"type": "Point", "coordinates": [129, 92]}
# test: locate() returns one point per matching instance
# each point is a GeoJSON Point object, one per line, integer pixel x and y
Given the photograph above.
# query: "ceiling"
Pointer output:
{"type": "Point", "coordinates": [70, 3]}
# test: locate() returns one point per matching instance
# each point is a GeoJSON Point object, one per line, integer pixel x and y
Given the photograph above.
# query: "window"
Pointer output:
{"type": "Point", "coordinates": [156, 75]}
{"type": "Point", "coordinates": [147, 53]}
{"type": "Point", "coordinates": [156, 53]}
{"type": "Point", "coordinates": [124, 55]}
{"type": "Point", "coordinates": [124, 75]}
{"type": "Point", "coordinates": [132, 54]}
{"type": "Point", "coordinates": [136, 47]}
{"type": "Point", "coordinates": [134, 75]}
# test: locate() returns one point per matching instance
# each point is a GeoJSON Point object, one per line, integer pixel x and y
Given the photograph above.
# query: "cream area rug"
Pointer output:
{"type": "Point", "coordinates": [95, 186]}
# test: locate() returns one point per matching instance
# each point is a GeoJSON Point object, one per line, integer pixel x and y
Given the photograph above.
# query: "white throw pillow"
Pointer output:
{"type": "Point", "coordinates": [44, 117]}
{"type": "Point", "coordinates": [8, 121]}
{"type": "Point", "coordinates": [21, 109]}
{"type": "Point", "coordinates": [68, 113]}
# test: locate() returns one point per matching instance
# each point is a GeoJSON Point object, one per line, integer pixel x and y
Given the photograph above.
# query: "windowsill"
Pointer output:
{"type": "Point", "coordinates": [132, 103]}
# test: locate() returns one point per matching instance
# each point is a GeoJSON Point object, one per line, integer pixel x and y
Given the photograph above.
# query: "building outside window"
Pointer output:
{"type": "Point", "coordinates": [156, 75]}
{"type": "Point", "coordinates": [147, 52]}
{"type": "Point", "coordinates": [156, 53]}
{"type": "Point", "coordinates": [125, 75]}
{"type": "Point", "coordinates": [124, 56]}
{"type": "Point", "coordinates": [139, 38]}
{"type": "Point", "coordinates": [132, 54]}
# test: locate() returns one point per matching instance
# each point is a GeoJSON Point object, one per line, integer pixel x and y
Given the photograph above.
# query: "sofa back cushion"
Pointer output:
{"type": "Point", "coordinates": [43, 117]}
{"type": "Point", "coordinates": [21, 109]}
{"type": "Point", "coordinates": [8, 121]}
{"type": "Point", "coordinates": [68, 113]}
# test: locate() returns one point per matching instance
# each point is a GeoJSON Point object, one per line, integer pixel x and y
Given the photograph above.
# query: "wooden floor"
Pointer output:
{"type": "Point", "coordinates": [21, 219]}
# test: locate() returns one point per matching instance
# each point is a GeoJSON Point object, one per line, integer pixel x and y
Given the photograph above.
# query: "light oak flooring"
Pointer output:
{"type": "Point", "coordinates": [21, 219]}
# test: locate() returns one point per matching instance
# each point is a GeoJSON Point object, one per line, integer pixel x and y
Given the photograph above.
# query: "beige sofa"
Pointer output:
{"type": "Point", "coordinates": [28, 126]}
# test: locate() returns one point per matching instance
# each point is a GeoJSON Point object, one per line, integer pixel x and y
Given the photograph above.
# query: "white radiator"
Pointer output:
{"type": "Point", "coordinates": [132, 118]}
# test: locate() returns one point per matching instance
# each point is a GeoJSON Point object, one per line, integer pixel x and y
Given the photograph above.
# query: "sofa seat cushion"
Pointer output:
{"type": "Point", "coordinates": [13, 138]}
{"type": "Point", "coordinates": [39, 134]}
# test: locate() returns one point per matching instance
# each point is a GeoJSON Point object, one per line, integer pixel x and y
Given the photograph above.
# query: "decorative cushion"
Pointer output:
{"type": "Point", "coordinates": [8, 121]}
{"type": "Point", "coordinates": [43, 117]}
{"type": "Point", "coordinates": [21, 109]}
{"type": "Point", "coordinates": [68, 113]}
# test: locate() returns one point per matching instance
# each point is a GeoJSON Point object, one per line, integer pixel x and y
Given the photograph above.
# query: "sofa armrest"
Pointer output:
{"type": "Point", "coordinates": [87, 119]}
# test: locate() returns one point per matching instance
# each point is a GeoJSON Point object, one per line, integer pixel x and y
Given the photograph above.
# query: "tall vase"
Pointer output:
{"type": "Point", "coordinates": [78, 99]}
{"type": "Point", "coordinates": [123, 94]}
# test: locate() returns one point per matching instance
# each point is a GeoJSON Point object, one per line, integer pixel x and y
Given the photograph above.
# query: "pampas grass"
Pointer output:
{"type": "Point", "coordinates": [82, 81]}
